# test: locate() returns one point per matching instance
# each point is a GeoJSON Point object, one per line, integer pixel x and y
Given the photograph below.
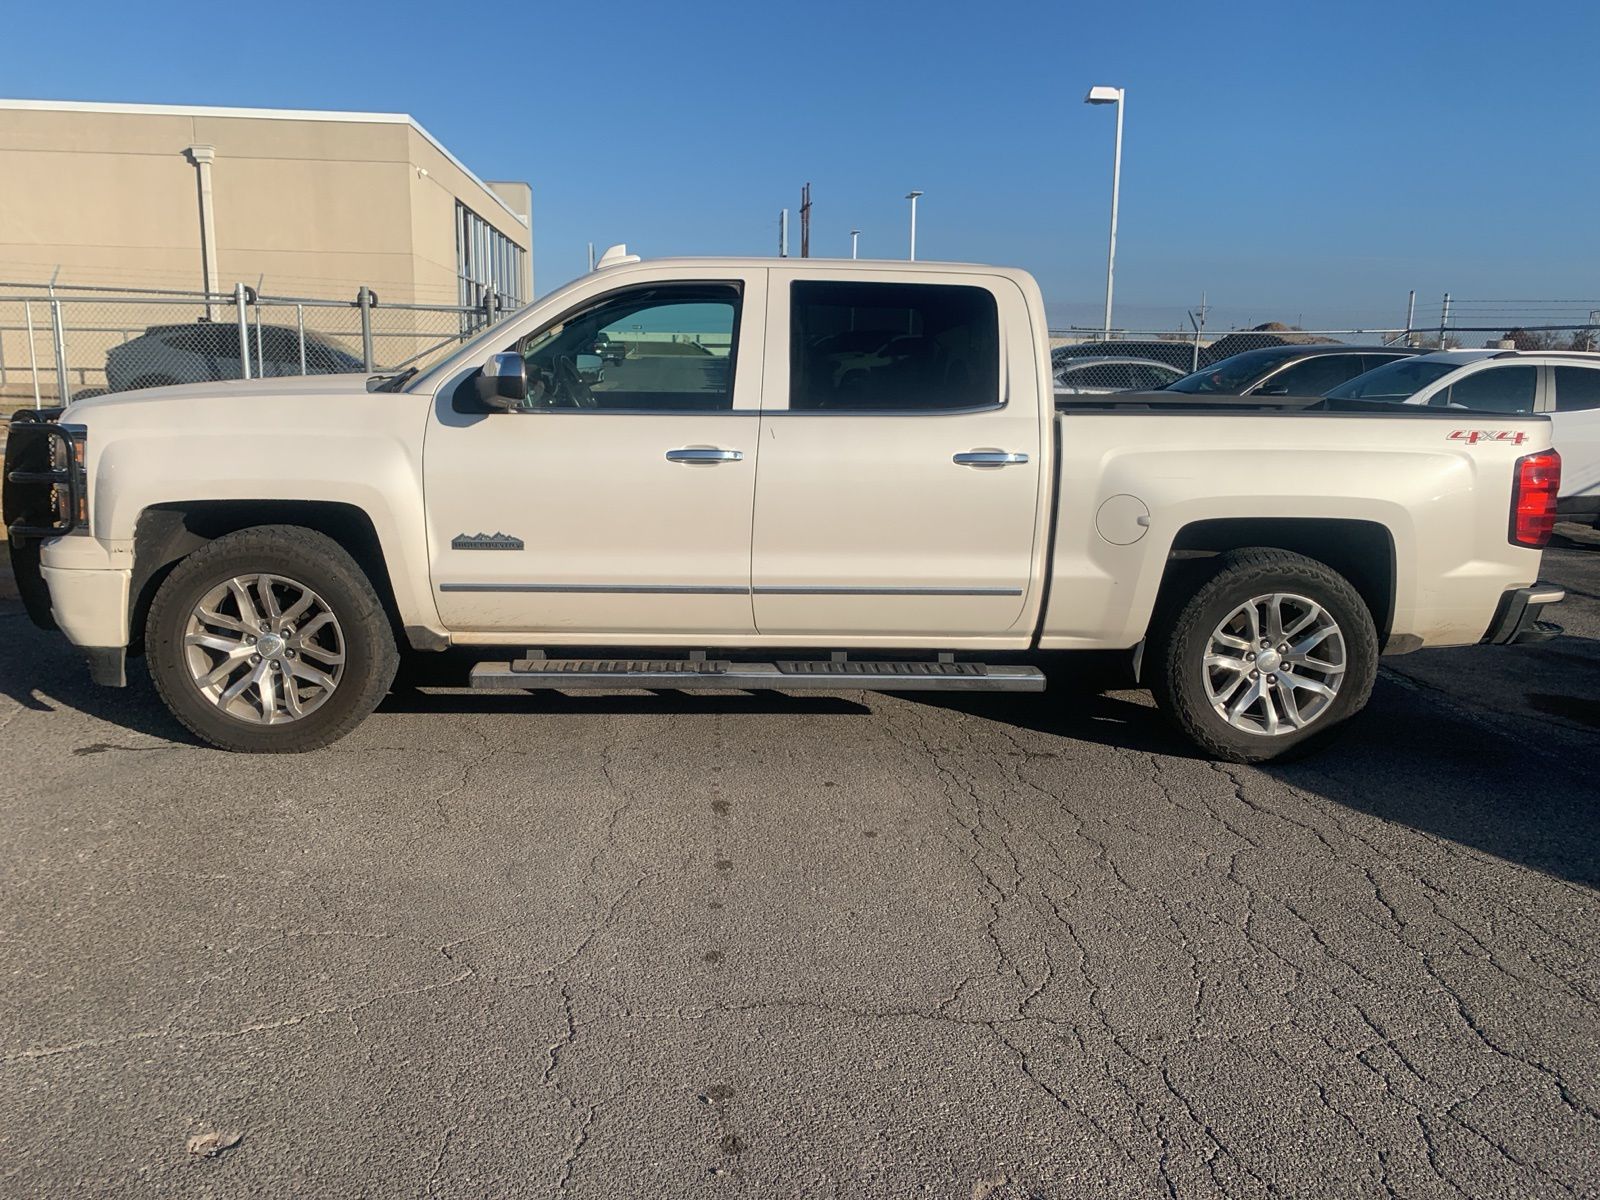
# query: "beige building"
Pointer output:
{"type": "Point", "coordinates": [313, 204]}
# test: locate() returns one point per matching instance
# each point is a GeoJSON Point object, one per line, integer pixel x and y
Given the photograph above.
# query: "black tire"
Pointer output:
{"type": "Point", "coordinates": [1182, 630]}
{"type": "Point", "coordinates": [318, 562]}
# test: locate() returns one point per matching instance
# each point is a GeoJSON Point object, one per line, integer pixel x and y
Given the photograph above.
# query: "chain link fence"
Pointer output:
{"type": "Point", "coordinates": [1087, 359]}
{"type": "Point", "coordinates": [57, 344]}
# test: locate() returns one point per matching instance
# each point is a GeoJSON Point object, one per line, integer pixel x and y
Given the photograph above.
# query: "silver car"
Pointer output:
{"type": "Point", "coordinates": [1097, 376]}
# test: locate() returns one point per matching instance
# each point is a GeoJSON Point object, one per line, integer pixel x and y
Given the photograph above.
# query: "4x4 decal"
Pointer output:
{"type": "Point", "coordinates": [1473, 436]}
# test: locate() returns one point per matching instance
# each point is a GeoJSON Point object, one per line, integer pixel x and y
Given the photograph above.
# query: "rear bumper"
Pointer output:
{"type": "Point", "coordinates": [1517, 618]}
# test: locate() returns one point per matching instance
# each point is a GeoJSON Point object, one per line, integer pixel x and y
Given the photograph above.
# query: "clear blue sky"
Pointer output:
{"type": "Point", "coordinates": [1309, 161]}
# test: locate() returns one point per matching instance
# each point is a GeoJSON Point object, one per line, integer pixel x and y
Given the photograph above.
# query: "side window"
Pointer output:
{"type": "Point", "coordinates": [1494, 389]}
{"type": "Point", "coordinates": [862, 347]}
{"type": "Point", "coordinates": [1371, 362]}
{"type": "Point", "coordinates": [281, 346]}
{"type": "Point", "coordinates": [1152, 378]}
{"type": "Point", "coordinates": [1577, 388]}
{"type": "Point", "coordinates": [1096, 377]}
{"type": "Point", "coordinates": [661, 348]}
{"type": "Point", "coordinates": [1314, 376]}
{"type": "Point", "coordinates": [213, 341]}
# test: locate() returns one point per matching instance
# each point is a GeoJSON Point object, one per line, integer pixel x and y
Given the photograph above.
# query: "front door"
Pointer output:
{"type": "Point", "coordinates": [900, 484]}
{"type": "Point", "coordinates": [617, 500]}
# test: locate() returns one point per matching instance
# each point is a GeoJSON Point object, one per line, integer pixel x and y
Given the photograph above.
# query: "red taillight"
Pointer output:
{"type": "Point", "coordinates": [1533, 498]}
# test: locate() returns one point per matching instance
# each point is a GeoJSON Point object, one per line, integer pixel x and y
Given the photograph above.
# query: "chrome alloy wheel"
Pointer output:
{"type": "Point", "coordinates": [1274, 664]}
{"type": "Point", "coordinates": [264, 648]}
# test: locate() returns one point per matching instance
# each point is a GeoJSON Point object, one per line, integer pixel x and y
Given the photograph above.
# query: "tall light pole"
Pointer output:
{"type": "Point", "coordinates": [1111, 95]}
{"type": "Point", "coordinates": [912, 196]}
{"type": "Point", "coordinates": [855, 238]}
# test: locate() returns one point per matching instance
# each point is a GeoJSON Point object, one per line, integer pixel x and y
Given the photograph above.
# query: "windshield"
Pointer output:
{"type": "Point", "coordinates": [1230, 376]}
{"type": "Point", "coordinates": [1399, 380]}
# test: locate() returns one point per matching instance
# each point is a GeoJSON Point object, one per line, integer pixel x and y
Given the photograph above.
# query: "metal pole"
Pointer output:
{"type": "Point", "coordinates": [33, 356]}
{"type": "Point", "coordinates": [300, 324]}
{"type": "Point", "coordinates": [244, 331]}
{"type": "Point", "coordinates": [783, 234]}
{"type": "Point", "coordinates": [1116, 194]}
{"type": "Point", "coordinates": [261, 361]}
{"type": "Point", "coordinates": [365, 297]}
{"type": "Point", "coordinates": [202, 157]}
{"type": "Point", "coordinates": [591, 256]}
{"type": "Point", "coordinates": [855, 239]}
{"type": "Point", "coordinates": [61, 352]}
{"type": "Point", "coordinates": [1444, 319]}
{"type": "Point", "coordinates": [912, 196]}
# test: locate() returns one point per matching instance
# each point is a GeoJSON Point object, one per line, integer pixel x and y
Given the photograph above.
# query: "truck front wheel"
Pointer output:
{"type": "Point", "coordinates": [1269, 655]}
{"type": "Point", "coordinates": [270, 640]}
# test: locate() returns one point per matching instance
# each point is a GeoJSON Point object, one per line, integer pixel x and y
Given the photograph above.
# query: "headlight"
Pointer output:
{"type": "Point", "coordinates": [62, 495]}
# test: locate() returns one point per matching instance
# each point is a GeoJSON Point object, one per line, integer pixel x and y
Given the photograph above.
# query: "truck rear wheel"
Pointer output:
{"type": "Point", "coordinates": [1267, 657]}
{"type": "Point", "coordinates": [270, 640]}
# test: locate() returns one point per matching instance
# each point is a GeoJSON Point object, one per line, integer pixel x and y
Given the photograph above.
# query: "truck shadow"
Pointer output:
{"type": "Point", "coordinates": [1405, 760]}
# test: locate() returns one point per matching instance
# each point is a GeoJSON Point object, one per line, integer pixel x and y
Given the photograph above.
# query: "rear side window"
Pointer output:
{"type": "Point", "coordinates": [1314, 375]}
{"type": "Point", "coordinates": [1577, 388]}
{"type": "Point", "coordinates": [860, 347]}
{"type": "Point", "coordinates": [1494, 389]}
{"type": "Point", "coordinates": [1091, 376]}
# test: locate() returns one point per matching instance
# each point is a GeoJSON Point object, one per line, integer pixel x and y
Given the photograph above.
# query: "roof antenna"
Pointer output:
{"type": "Point", "coordinates": [615, 256]}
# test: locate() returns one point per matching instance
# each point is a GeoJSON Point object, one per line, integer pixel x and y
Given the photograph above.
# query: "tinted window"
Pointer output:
{"type": "Point", "coordinates": [1577, 388]}
{"type": "Point", "coordinates": [665, 348]}
{"type": "Point", "coordinates": [281, 346]}
{"type": "Point", "coordinates": [217, 341]}
{"type": "Point", "coordinates": [1495, 389]}
{"type": "Point", "coordinates": [1093, 376]}
{"type": "Point", "coordinates": [1400, 380]}
{"type": "Point", "coordinates": [1371, 362]}
{"type": "Point", "coordinates": [1149, 376]}
{"type": "Point", "coordinates": [1231, 375]}
{"type": "Point", "coordinates": [937, 346]}
{"type": "Point", "coordinates": [1315, 375]}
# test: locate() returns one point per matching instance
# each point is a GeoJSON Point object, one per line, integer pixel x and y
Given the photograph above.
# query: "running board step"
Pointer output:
{"type": "Point", "coordinates": [788, 676]}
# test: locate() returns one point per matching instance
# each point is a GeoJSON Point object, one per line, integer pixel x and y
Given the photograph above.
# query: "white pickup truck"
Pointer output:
{"type": "Point", "coordinates": [787, 474]}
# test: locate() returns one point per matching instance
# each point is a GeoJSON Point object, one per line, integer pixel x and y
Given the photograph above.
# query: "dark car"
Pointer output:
{"type": "Point", "coordinates": [205, 351]}
{"type": "Point", "coordinates": [1305, 370]}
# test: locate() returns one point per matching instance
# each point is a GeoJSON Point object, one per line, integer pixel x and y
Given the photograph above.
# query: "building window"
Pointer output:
{"type": "Point", "coordinates": [487, 263]}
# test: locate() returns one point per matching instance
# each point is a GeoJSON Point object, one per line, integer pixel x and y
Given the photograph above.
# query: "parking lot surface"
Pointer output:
{"type": "Point", "coordinates": [663, 945]}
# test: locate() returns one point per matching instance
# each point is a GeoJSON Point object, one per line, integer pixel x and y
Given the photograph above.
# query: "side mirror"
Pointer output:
{"type": "Point", "coordinates": [502, 382]}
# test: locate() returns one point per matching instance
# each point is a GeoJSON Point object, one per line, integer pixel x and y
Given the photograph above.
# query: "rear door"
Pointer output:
{"type": "Point", "coordinates": [897, 492]}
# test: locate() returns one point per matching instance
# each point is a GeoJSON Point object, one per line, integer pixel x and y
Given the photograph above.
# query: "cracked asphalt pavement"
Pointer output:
{"type": "Point", "coordinates": [825, 945]}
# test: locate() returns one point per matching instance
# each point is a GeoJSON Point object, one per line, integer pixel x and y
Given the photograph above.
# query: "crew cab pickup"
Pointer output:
{"type": "Point", "coordinates": [756, 494]}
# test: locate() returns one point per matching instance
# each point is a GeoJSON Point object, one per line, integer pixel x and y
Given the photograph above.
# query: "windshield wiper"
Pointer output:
{"type": "Point", "coordinates": [391, 383]}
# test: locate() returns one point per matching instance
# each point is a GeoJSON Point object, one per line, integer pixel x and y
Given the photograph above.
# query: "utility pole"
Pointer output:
{"type": "Point", "coordinates": [805, 221]}
{"type": "Point", "coordinates": [1444, 319]}
{"type": "Point", "coordinates": [1411, 313]}
{"type": "Point", "coordinates": [855, 239]}
{"type": "Point", "coordinates": [783, 234]}
{"type": "Point", "coordinates": [591, 256]}
{"type": "Point", "coordinates": [912, 196]}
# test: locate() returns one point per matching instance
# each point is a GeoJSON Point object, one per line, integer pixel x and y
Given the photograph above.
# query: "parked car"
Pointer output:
{"type": "Point", "coordinates": [1171, 353]}
{"type": "Point", "coordinates": [207, 352]}
{"type": "Point", "coordinates": [1099, 376]}
{"type": "Point", "coordinates": [1287, 370]}
{"type": "Point", "coordinates": [1563, 384]}
{"type": "Point", "coordinates": [927, 523]}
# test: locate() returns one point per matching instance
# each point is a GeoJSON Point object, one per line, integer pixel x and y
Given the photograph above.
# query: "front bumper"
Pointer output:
{"type": "Point", "coordinates": [1517, 618]}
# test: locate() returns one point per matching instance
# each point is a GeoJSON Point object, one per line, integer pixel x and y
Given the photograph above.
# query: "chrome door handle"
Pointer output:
{"type": "Point", "coordinates": [987, 458]}
{"type": "Point", "coordinates": [702, 454]}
